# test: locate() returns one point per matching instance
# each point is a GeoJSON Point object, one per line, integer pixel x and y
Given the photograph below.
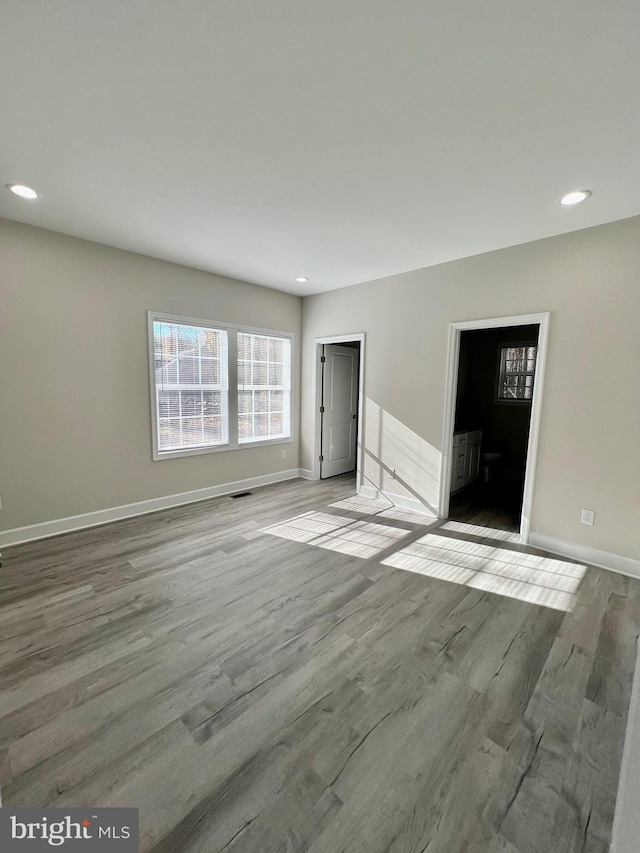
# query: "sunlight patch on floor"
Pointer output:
{"type": "Point", "coordinates": [478, 530]}
{"type": "Point", "coordinates": [495, 552]}
{"type": "Point", "coordinates": [337, 533]}
{"type": "Point", "coordinates": [537, 580]}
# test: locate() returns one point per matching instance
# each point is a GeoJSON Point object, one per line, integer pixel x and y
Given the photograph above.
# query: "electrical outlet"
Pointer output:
{"type": "Point", "coordinates": [283, 454]}
{"type": "Point", "coordinates": [588, 516]}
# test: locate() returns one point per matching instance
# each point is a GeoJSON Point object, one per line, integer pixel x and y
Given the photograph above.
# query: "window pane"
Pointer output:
{"type": "Point", "coordinates": [187, 339]}
{"type": "Point", "coordinates": [260, 348]}
{"type": "Point", "coordinates": [188, 370]}
{"type": "Point", "coordinates": [213, 431]}
{"type": "Point", "coordinates": [209, 343]}
{"type": "Point", "coordinates": [168, 374]}
{"type": "Point", "coordinates": [169, 434]}
{"type": "Point", "coordinates": [260, 426]}
{"type": "Point", "coordinates": [191, 431]}
{"type": "Point", "coordinates": [212, 402]}
{"type": "Point", "coordinates": [511, 385]}
{"type": "Point", "coordinates": [260, 401]}
{"type": "Point", "coordinates": [275, 374]}
{"type": "Point", "coordinates": [275, 349]}
{"type": "Point", "coordinates": [165, 343]}
{"type": "Point", "coordinates": [168, 404]}
{"type": "Point", "coordinates": [276, 424]}
{"type": "Point", "coordinates": [276, 401]}
{"type": "Point", "coordinates": [245, 427]}
{"type": "Point", "coordinates": [245, 401]}
{"type": "Point", "coordinates": [210, 371]}
{"type": "Point", "coordinates": [259, 373]}
{"type": "Point", "coordinates": [244, 346]}
{"type": "Point", "coordinates": [191, 403]}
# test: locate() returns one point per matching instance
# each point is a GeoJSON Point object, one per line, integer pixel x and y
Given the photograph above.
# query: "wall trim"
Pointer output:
{"type": "Point", "coordinates": [18, 535]}
{"type": "Point", "coordinates": [402, 501]}
{"type": "Point", "coordinates": [305, 474]}
{"type": "Point", "coordinates": [585, 554]}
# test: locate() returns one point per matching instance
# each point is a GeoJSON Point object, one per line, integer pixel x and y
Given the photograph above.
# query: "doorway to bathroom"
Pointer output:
{"type": "Point", "coordinates": [492, 418]}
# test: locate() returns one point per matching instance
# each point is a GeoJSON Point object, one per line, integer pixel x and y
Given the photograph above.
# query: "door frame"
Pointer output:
{"type": "Point", "coordinates": [316, 396]}
{"type": "Point", "coordinates": [451, 387]}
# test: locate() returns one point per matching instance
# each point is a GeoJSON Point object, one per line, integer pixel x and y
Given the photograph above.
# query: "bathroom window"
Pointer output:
{"type": "Point", "coordinates": [517, 373]}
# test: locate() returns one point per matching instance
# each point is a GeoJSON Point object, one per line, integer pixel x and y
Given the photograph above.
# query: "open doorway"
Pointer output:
{"type": "Point", "coordinates": [491, 422]}
{"type": "Point", "coordinates": [496, 375]}
{"type": "Point", "coordinates": [338, 397]}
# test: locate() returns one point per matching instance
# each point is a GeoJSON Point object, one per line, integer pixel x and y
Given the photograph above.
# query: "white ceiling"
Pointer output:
{"type": "Point", "coordinates": [343, 140]}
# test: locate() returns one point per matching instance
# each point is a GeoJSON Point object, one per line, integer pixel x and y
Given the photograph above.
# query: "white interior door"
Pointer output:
{"type": "Point", "coordinates": [340, 410]}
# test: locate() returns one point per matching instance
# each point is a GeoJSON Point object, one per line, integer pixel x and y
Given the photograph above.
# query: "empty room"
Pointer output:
{"type": "Point", "coordinates": [319, 427]}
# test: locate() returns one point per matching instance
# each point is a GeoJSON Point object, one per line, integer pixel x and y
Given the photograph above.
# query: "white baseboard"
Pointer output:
{"type": "Point", "coordinates": [626, 820]}
{"type": "Point", "coordinates": [603, 559]}
{"type": "Point", "coordinates": [402, 501]}
{"type": "Point", "coordinates": [104, 516]}
{"type": "Point", "coordinates": [305, 473]}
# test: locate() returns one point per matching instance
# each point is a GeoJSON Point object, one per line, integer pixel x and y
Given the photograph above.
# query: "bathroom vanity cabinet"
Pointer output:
{"type": "Point", "coordinates": [466, 459]}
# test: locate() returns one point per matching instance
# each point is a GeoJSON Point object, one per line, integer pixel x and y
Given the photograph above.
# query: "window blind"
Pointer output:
{"type": "Point", "coordinates": [264, 387]}
{"type": "Point", "coordinates": [192, 387]}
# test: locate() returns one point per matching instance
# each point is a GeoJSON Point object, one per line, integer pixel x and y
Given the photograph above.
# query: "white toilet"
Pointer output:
{"type": "Point", "coordinates": [489, 464]}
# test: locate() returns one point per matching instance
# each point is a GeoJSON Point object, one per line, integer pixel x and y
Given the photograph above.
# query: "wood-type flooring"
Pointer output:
{"type": "Point", "coordinates": [256, 693]}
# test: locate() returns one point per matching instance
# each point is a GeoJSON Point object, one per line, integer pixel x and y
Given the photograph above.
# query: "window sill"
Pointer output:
{"type": "Point", "coordinates": [223, 448]}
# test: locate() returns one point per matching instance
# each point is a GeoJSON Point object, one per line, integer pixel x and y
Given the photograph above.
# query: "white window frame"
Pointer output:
{"type": "Point", "coordinates": [232, 353]}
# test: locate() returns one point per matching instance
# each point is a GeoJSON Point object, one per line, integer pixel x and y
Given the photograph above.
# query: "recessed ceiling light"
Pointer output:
{"type": "Point", "coordinates": [575, 197]}
{"type": "Point", "coordinates": [22, 190]}
{"type": "Point", "coordinates": [302, 279]}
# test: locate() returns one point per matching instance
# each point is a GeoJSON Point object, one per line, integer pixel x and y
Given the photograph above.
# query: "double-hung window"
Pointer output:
{"type": "Point", "coordinates": [517, 373]}
{"type": "Point", "coordinates": [217, 386]}
{"type": "Point", "coordinates": [264, 387]}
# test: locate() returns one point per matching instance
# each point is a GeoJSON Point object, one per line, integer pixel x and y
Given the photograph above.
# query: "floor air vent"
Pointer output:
{"type": "Point", "coordinates": [241, 495]}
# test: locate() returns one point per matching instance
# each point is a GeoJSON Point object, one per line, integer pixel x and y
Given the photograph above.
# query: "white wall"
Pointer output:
{"type": "Point", "coordinates": [589, 451]}
{"type": "Point", "coordinates": [75, 428]}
